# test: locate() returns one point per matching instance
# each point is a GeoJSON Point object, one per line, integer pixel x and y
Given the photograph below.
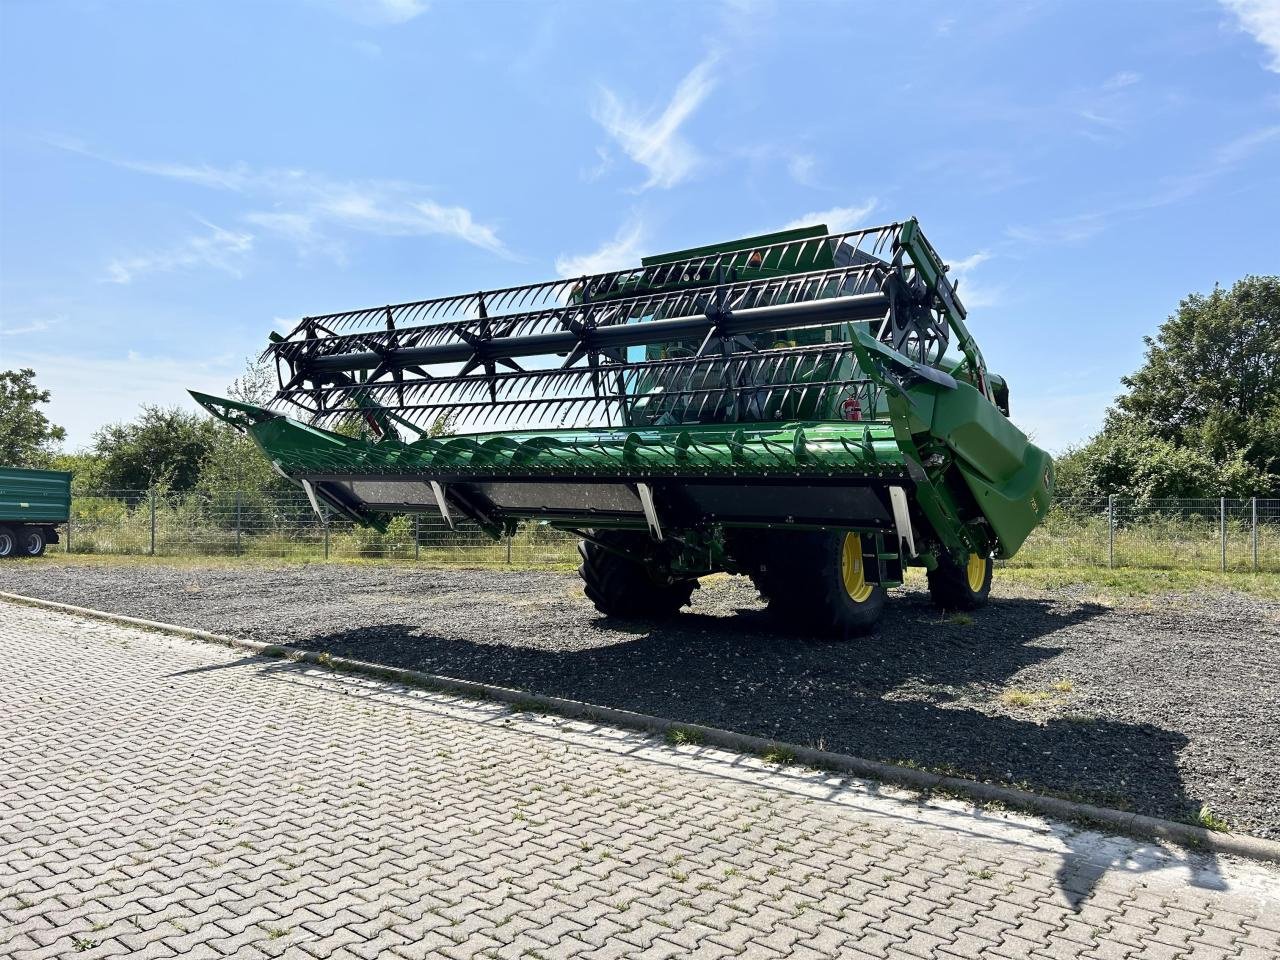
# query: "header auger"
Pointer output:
{"type": "Point", "coordinates": [805, 408]}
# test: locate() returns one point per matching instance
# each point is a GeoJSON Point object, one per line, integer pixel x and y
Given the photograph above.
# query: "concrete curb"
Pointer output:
{"type": "Point", "coordinates": [1198, 838]}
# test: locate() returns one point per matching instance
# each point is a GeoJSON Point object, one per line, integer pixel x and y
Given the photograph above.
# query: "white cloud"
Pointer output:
{"type": "Point", "coordinates": [801, 166]}
{"type": "Point", "coordinates": [380, 11]}
{"type": "Point", "coordinates": [34, 325]}
{"type": "Point", "coordinates": [837, 219]}
{"type": "Point", "coordinates": [623, 251]}
{"type": "Point", "coordinates": [219, 248]}
{"type": "Point", "coordinates": [1244, 146]}
{"type": "Point", "coordinates": [303, 205]}
{"type": "Point", "coordinates": [974, 295]}
{"type": "Point", "coordinates": [655, 142]}
{"type": "Point", "coordinates": [1125, 78]}
{"type": "Point", "coordinates": [1260, 19]}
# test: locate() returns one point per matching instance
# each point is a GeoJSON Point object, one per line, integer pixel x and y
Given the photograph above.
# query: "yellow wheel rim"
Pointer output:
{"type": "Point", "coordinates": [977, 571]}
{"type": "Point", "coordinates": [851, 571]}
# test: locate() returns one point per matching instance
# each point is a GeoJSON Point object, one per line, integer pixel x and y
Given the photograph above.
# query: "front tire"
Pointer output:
{"type": "Point", "coordinates": [818, 581]}
{"type": "Point", "coordinates": [621, 587]}
{"type": "Point", "coordinates": [8, 542]}
{"type": "Point", "coordinates": [955, 587]}
{"type": "Point", "coordinates": [32, 541]}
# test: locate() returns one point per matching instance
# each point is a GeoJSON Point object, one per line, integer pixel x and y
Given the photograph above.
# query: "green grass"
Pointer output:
{"type": "Point", "coordinates": [1211, 821]}
{"type": "Point", "coordinates": [1125, 582]}
{"type": "Point", "coordinates": [678, 737]}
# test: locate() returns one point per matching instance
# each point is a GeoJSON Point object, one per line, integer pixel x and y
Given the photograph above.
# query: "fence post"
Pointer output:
{"type": "Point", "coordinates": [325, 523]}
{"type": "Point", "coordinates": [153, 521]}
{"type": "Point", "coordinates": [509, 549]}
{"type": "Point", "coordinates": [417, 533]}
{"type": "Point", "coordinates": [1254, 511]}
{"type": "Point", "coordinates": [1111, 530]}
{"type": "Point", "coordinates": [67, 548]}
{"type": "Point", "coordinates": [1222, 526]}
{"type": "Point", "coordinates": [238, 523]}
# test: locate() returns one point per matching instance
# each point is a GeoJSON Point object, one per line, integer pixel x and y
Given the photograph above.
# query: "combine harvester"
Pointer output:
{"type": "Point", "coordinates": [781, 406]}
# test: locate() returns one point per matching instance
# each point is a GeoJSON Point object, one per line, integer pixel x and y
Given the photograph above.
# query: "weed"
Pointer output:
{"type": "Point", "coordinates": [782, 756]}
{"type": "Point", "coordinates": [679, 876]}
{"type": "Point", "coordinates": [1013, 697]}
{"type": "Point", "coordinates": [679, 737]}
{"type": "Point", "coordinates": [1211, 821]}
{"type": "Point", "coordinates": [1062, 686]}
{"type": "Point", "coordinates": [81, 944]}
{"type": "Point", "coordinates": [275, 933]}
{"type": "Point", "coordinates": [960, 620]}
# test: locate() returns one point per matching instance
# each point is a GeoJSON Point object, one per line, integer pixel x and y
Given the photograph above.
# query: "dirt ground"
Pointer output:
{"type": "Point", "coordinates": [1162, 706]}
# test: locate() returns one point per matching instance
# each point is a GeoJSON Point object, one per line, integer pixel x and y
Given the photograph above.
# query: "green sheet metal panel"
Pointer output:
{"type": "Point", "coordinates": [34, 496]}
{"type": "Point", "coordinates": [807, 448]}
{"type": "Point", "coordinates": [1010, 477]}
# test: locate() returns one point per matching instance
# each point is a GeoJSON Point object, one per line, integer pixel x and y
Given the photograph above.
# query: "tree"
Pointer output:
{"type": "Point", "coordinates": [1211, 377]}
{"type": "Point", "coordinates": [1201, 416]}
{"type": "Point", "coordinates": [163, 447]}
{"type": "Point", "coordinates": [27, 438]}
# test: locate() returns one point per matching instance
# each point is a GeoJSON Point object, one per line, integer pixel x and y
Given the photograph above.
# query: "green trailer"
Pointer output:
{"type": "Point", "coordinates": [32, 504]}
{"type": "Point", "coordinates": [806, 408]}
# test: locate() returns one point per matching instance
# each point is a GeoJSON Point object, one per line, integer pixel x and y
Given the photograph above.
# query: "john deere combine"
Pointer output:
{"type": "Point", "coordinates": [782, 406]}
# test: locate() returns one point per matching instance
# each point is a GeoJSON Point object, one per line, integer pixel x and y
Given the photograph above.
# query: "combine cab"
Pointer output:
{"type": "Point", "coordinates": [805, 408]}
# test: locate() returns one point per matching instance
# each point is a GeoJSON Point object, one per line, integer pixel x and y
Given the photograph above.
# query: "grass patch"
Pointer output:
{"type": "Point", "coordinates": [782, 756]}
{"type": "Point", "coordinates": [680, 737]}
{"type": "Point", "coordinates": [960, 620]}
{"type": "Point", "coordinates": [1211, 821]}
{"type": "Point", "coordinates": [1124, 583]}
{"type": "Point", "coordinates": [1014, 697]}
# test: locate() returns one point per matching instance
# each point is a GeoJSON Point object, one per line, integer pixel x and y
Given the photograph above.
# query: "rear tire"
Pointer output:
{"type": "Point", "coordinates": [817, 581]}
{"type": "Point", "coordinates": [8, 542]}
{"type": "Point", "coordinates": [32, 541]}
{"type": "Point", "coordinates": [621, 587]}
{"type": "Point", "coordinates": [953, 587]}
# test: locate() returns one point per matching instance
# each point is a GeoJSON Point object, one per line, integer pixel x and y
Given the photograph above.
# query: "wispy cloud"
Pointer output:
{"type": "Point", "coordinates": [219, 248]}
{"type": "Point", "coordinates": [1227, 158]}
{"type": "Point", "coordinates": [974, 294]}
{"type": "Point", "coordinates": [1125, 78]}
{"type": "Point", "coordinates": [379, 11]}
{"type": "Point", "coordinates": [34, 325]}
{"type": "Point", "coordinates": [837, 219]}
{"type": "Point", "coordinates": [623, 251]}
{"type": "Point", "coordinates": [303, 206]}
{"type": "Point", "coordinates": [1261, 20]}
{"type": "Point", "coordinates": [655, 142]}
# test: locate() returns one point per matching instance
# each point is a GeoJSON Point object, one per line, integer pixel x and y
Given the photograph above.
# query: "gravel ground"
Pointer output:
{"type": "Point", "coordinates": [1157, 706]}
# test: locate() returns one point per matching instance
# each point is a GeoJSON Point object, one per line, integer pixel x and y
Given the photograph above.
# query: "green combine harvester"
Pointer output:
{"type": "Point", "coordinates": [784, 407]}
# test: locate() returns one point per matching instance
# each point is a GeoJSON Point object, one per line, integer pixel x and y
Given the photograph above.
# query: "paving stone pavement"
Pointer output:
{"type": "Point", "coordinates": [165, 798]}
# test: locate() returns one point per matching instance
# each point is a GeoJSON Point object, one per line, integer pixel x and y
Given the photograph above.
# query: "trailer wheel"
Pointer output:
{"type": "Point", "coordinates": [621, 587]}
{"type": "Point", "coordinates": [8, 542]}
{"type": "Point", "coordinates": [817, 580]}
{"type": "Point", "coordinates": [955, 587]}
{"type": "Point", "coordinates": [32, 541]}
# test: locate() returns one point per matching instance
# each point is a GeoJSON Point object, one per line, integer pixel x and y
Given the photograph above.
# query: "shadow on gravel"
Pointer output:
{"type": "Point", "coordinates": [905, 694]}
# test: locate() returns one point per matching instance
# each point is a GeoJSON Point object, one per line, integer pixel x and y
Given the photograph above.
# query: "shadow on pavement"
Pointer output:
{"type": "Point", "coordinates": [907, 694]}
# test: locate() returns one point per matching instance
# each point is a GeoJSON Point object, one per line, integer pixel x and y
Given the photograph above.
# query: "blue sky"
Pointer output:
{"type": "Point", "coordinates": [178, 178]}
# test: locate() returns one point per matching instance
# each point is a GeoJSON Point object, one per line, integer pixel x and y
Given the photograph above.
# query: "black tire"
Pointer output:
{"type": "Point", "coordinates": [32, 541]}
{"type": "Point", "coordinates": [815, 581]}
{"type": "Point", "coordinates": [953, 587]}
{"type": "Point", "coordinates": [621, 587]}
{"type": "Point", "coordinates": [8, 542]}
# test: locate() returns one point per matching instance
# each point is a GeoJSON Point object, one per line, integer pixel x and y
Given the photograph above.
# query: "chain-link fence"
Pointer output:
{"type": "Point", "coordinates": [1207, 534]}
